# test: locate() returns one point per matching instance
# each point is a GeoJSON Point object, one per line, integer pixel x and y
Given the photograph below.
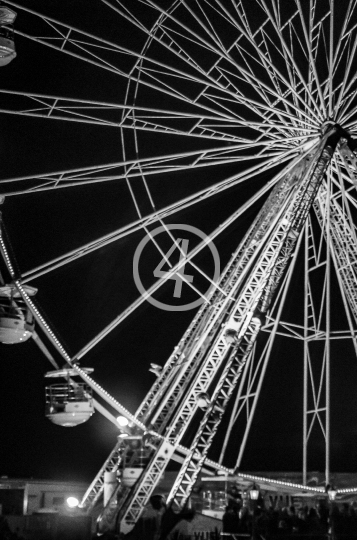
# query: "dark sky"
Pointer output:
{"type": "Point", "coordinates": [80, 299]}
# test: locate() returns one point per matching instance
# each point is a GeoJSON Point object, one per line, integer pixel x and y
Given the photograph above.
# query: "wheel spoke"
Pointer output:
{"type": "Point", "coordinates": [228, 103]}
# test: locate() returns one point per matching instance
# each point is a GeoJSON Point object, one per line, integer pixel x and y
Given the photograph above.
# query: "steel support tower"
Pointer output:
{"type": "Point", "coordinates": [212, 358]}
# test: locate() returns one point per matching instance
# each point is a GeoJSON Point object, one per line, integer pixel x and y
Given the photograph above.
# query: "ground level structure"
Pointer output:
{"type": "Point", "coordinates": [38, 508]}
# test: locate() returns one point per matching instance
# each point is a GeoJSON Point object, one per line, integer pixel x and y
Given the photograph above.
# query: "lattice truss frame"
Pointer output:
{"type": "Point", "coordinates": [194, 460]}
{"type": "Point", "coordinates": [337, 229]}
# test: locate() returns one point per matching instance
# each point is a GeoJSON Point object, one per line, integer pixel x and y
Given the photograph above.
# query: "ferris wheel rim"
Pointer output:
{"type": "Point", "coordinates": [164, 15]}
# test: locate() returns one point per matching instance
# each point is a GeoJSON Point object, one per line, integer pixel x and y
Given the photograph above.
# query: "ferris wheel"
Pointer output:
{"type": "Point", "coordinates": [229, 114]}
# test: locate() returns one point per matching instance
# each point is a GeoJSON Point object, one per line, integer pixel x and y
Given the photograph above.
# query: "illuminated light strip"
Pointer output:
{"type": "Point", "coordinates": [282, 483]}
{"type": "Point", "coordinates": [122, 409]}
{"type": "Point", "coordinates": [41, 321]}
{"type": "Point", "coordinates": [103, 393]}
{"type": "Point", "coordinates": [351, 490]}
{"type": "Point", "coordinates": [6, 256]}
{"type": "Point", "coordinates": [95, 386]}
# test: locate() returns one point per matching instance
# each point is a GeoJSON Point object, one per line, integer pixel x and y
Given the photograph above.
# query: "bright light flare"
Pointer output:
{"type": "Point", "coordinates": [122, 421]}
{"type": "Point", "coordinates": [72, 502]}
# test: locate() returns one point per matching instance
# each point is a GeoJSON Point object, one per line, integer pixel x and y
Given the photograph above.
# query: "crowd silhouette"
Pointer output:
{"type": "Point", "coordinates": [325, 520]}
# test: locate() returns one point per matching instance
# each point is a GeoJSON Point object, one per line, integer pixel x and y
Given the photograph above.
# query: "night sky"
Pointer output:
{"type": "Point", "coordinates": [78, 300]}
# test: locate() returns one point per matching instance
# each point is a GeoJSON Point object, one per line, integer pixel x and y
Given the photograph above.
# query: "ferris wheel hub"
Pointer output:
{"type": "Point", "coordinates": [329, 124]}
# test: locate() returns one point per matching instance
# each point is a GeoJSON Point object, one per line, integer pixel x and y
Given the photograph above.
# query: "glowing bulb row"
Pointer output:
{"type": "Point", "coordinates": [59, 345]}
{"type": "Point", "coordinates": [41, 320]}
{"type": "Point", "coordinates": [282, 483]}
{"type": "Point", "coordinates": [7, 258]}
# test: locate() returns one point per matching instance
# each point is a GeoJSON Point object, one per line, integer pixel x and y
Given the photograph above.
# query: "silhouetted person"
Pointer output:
{"type": "Point", "coordinates": [157, 521]}
{"type": "Point", "coordinates": [230, 520]}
